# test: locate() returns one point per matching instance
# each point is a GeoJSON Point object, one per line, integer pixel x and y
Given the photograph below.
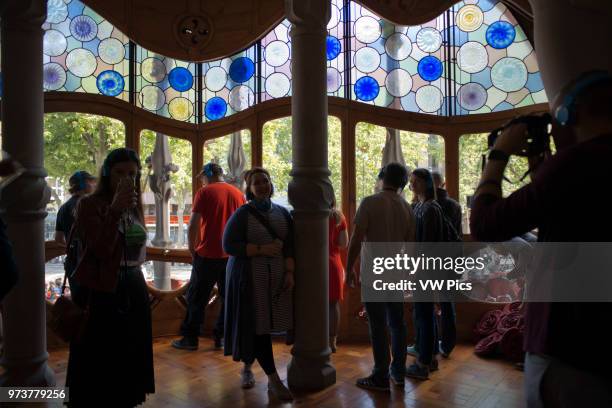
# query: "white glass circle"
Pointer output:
{"type": "Point", "coordinates": [152, 98]}
{"type": "Point", "coordinates": [367, 59]}
{"type": "Point", "coordinates": [241, 97]}
{"type": "Point", "coordinates": [276, 53]}
{"type": "Point", "coordinates": [277, 85]}
{"type": "Point", "coordinates": [215, 79]}
{"type": "Point", "coordinates": [398, 83]}
{"type": "Point", "coordinates": [429, 39]}
{"type": "Point", "coordinates": [398, 46]}
{"type": "Point", "coordinates": [429, 98]}
{"type": "Point", "coordinates": [153, 70]}
{"type": "Point", "coordinates": [367, 29]}
{"type": "Point", "coordinates": [472, 57]}
{"type": "Point", "coordinates": [81, 62]}
{"type": "Point", "coordinates": [111, 51]}
{"type": "Point", "coordinates": [54, 43]}
{"type": "Point", "coordinates": [509, 74]}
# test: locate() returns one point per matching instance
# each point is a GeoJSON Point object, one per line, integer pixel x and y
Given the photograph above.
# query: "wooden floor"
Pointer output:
{"type": "Point", "coordinates": [205, 378]}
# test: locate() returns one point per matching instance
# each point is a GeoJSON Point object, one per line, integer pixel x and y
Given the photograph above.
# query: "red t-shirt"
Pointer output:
{"type": "Point", "coordinates": [215, 203]}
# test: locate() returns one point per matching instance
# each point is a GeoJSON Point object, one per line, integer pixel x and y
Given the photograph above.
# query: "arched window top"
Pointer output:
{"type": "Point", "coordinates": [473, 58]}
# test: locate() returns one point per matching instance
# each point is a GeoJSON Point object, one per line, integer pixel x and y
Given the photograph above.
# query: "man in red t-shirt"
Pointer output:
{"type": "Point", "coordinates": [212, 207]}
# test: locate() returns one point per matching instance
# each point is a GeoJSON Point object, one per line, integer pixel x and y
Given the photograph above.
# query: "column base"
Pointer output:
{"type": "Point", "coordinates": [310, 374]}
{"type": "Point", "coordinates": [39, 375]}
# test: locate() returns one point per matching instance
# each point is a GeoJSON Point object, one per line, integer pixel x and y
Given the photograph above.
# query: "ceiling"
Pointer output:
{"type": "Point", "coordinates": [197, 30]}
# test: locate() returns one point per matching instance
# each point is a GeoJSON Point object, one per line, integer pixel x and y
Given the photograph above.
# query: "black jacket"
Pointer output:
{"type": "Point", "coordinates": [451, 208]}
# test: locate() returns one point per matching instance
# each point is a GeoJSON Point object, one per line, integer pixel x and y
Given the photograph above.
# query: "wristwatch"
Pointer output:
{"type": "Point", "coordinates": [499, 155]}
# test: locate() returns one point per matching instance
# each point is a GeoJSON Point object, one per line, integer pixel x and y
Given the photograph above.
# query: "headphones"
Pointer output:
{"type": "Point", "coordinates": [81, 179]}
{"type": "Point", "coordinates": [564, 114]}
{"type": "Point", "coordinates": [208, 170]}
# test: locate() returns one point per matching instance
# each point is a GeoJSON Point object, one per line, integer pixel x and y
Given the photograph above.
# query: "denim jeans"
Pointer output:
{"type": "Point", "coordinates": [381, 315]}
{"type": "Point", "coordinates": [204, 274]}
{"type": "Point", "coordinates": [448, 335]}
{"type": "Point", "coordinates": [425, 327]}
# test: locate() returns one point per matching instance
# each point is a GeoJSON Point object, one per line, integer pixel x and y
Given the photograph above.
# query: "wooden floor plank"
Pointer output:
{"type": "Point", "coordinates": [206, 378]}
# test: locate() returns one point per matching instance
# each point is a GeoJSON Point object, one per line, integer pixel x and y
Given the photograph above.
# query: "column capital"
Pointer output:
{"type": "Point", "coordinates": [24, 14]}
{"type": "Point", "coordinates": [27, 197]}
{"type": "Point", "coordinates": [311, 190]}
{"type": "Point", "coordinates": [309, 14]}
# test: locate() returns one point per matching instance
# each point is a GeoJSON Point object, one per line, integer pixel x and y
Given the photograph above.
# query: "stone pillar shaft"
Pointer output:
{"type": "Point", "coordinates": [310, 193]}
{"type": "Point", "coordinates": [23, 202]}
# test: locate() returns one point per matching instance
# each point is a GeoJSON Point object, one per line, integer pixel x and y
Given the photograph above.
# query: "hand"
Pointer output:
{"type": "Point", "coordinates": [125, 197]}
{"type": "Point", "coordinates": [289, 281]}
{"type": "Point", "coordinates": [513, 139]}
{"type": "Point", "coordinates": [273, 249]}
{"type": "Point", "coordinates": [351, 277]}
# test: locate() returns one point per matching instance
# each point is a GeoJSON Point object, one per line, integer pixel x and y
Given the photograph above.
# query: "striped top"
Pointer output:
{"type": "Point", "coordinates": [273, 306]}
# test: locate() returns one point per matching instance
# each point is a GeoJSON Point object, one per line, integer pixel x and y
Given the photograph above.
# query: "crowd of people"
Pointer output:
{"type": "Point", "coordinates": [243, 243]}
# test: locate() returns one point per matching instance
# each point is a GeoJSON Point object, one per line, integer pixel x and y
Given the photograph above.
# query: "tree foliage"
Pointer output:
{"type": "Point", "coordinates": [76, 141]}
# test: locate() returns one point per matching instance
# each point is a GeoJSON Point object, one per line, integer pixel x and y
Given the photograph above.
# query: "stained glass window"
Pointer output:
{"type": "Point", "coordinates": [496, 66]}
{"type": "Point", "coordinates": [335, 52]}
{"type": "Point", "coordinates": [165, 86]}
{"type": "Point", "coordinates": [473, 58]}
{"type": "Point", "coordinates": [395, 66]}
{"type": "Point", "coordinates": [229, 85]}
{"type": "Point", "coordinates": [276, 63]}
{"type": "Point", "coordinates": [82, 52]}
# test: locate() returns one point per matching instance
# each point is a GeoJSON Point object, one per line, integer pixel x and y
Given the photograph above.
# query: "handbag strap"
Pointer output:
{"type": "Point", "coordinates": [264, 222]}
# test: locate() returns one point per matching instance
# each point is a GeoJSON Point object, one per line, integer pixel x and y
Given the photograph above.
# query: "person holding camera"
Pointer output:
{"type": "Point", "coordinates": [383, 217]}
{"type": "Point", "coordinates": [562, 359]}
{"type": "Point", "coordinates": [116, 346]}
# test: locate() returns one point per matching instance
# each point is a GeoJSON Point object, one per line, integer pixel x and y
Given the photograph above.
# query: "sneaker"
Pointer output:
{"type": "Point", "coordinates": [417, 372]}
{"type": "Point", "coordinates": [442, 352]}
{"type": "Point", "coordinates": [279, 390]}
{"type": "Point", "coordinates": [398, 381]}
{"type": "Point", "coordinates": [218, 342]}
{"type": "Point", "coordinates": [247, 379]}
{"type": "Point", "coordinates": [412, 351]}
{"type": "Point", "coordinates": [371, 383]}
{"type": "Point", "coordinates": [186, 343]}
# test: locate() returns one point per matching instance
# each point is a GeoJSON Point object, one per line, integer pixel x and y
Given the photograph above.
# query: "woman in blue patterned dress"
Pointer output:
{"type": "Point", "coordinates": [259, 282]}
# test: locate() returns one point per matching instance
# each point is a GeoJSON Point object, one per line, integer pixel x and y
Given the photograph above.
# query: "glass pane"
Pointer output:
{"type": "Point", "coordinates": [73, 142]}
{"type": "Point", "coordinates": [277, 156]}
{"type": "Point", "coordinates": [218, 150]}
{"type": "Point", "coordinates": [496, 67]}
{"type": "Point", "coordinates": [82, 52]}
{"type": "Point", "coordinates": [418, 150]}
{"type": "Point", "coordinates": [276, 64]}
{"type": "Point", "coordinates": [335, 50]}
{"type": "Point", "coordinates": [229, 85]}
{"type": "Point", "coordinates": [165, 86]}
{"type": "Point", "coordinates": [164, 170]}
{"type": "Point", "coordinates": [471, 149]}
{"type": "Point", "coordinates": [398, 67]}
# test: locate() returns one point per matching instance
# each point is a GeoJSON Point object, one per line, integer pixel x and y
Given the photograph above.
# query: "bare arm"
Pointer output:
{"type": "Point", "coordinates": [342, 239]}
{"type": "Point", "coordinates": [194, 232]}
{"type": "Point", "coordinates": [60, 238]}
{"type": "Point", "coordinates": [353, 254]}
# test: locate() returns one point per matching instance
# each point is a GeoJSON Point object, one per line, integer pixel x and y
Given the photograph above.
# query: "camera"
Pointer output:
{"type": "Point", "coordinates": [538, 131]}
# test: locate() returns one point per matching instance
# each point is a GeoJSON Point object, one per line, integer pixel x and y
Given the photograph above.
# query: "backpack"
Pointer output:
{"type": "Point", "coordinates": [450, 233]}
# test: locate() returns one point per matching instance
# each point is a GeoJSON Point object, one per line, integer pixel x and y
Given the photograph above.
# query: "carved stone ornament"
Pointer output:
{"type": "Point", "coordinates": [193, 31]}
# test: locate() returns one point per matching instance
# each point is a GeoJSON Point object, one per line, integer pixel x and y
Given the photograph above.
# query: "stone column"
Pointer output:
{"type": "Point", "coordinates": [159, 181]}
{"type": "Point", "coordinates": [310, 194]}
{"type": "Point", "coordinates": [23, 202]}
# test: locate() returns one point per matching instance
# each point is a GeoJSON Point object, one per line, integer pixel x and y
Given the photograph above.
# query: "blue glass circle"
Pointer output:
{"type": "Point", "coordinates": [110, 83]}
{"type": "Point", "coordinates": [333, 47]}
{"type": "Point", "coordinates": [500, 34]}
{"type": "Point", "coordinates": [366, 88]}
{"type": "Point", "coordinates": [215, 108]}
{"type": "Point", "coordinates": [83, 28]}
{"type": "Point", "coordinates": [430, 68]}
{"type": "Point", "coordinates": [180, 79]}
{"type": "Point", "coordinates": [242, 69]}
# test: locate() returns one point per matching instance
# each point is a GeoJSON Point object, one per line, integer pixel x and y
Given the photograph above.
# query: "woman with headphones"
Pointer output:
{"type": "Point", "coordinates": [116, 347]}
